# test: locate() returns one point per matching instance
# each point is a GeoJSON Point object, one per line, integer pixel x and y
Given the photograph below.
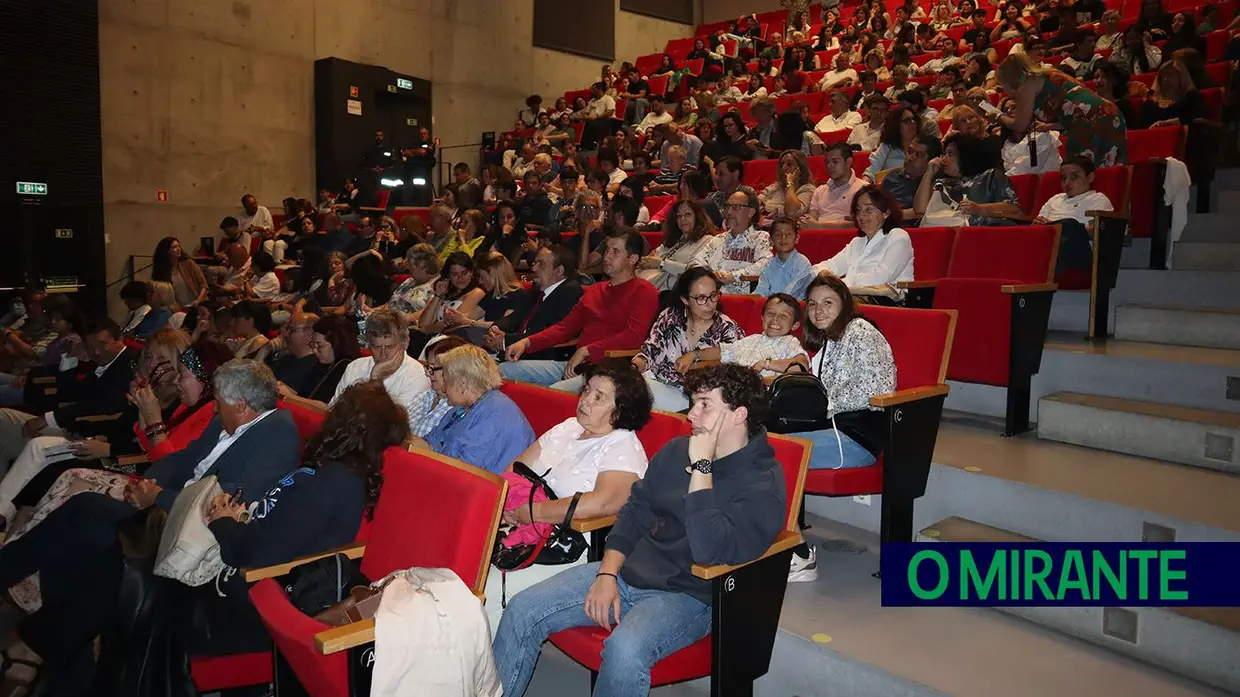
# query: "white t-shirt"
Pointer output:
{"type": "Point", "coordinates": [404, 386]}
{"type": "Point", "coordinates": [600, 106]}
{"type": "Point", "coordinates": [865, 136]}
{"type": "Point", "coordinates": [575, 463]}
{"type": "Point", "coordinates": [1060, 207]}
{"type": "Point", "coordinates": [261, 218]}
{"type": "Point", "coordinates": [267, 286]}
{"type": "Point", "coordinates": [617, 175]}
{"type": "Point", "coordinates": [850, 119]}
{"type": "Point", "coordinates": [652, 119]}
{"type": "Point", "coordinates": [836, 77]}
{"type": "Point", "coordinates": [756, 348]}
{"type": "Point", "coordinates": [1016, 155]}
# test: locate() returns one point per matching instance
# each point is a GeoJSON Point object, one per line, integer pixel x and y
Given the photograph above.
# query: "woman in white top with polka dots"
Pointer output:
{"type": "Point", "coordinates": [596, 453]}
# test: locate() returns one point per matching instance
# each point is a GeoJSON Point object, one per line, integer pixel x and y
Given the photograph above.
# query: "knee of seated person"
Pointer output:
{"type": "Point", "coordinates": [627, 652]}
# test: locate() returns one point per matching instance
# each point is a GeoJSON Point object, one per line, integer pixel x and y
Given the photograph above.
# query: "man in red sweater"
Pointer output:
{"type": "Point", "coordinates": [615, 315]}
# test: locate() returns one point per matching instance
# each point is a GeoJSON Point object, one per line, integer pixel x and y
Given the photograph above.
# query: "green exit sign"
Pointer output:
{"type": "Point", "coordinates": [32, 188]}
{"type": "Point", "coordinates": [404, 83]}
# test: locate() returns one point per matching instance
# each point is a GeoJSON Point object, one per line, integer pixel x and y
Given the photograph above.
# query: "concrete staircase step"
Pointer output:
{"type": "Point", "coordinates": [1180, 641]}
{"type": "Point", "coordinates": [1197, 437]}
{"type": "Point", "coordinates": [1214, 227]}
{"type": "Point", "coordinates": [1182, 287]}
{"type": "Point", "coordinates": [1179, 325]}
{"type": "Point", "coordinates": [1207, 256]}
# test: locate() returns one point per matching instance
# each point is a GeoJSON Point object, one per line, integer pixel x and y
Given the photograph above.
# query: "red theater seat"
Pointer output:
{"type": "Point", "coordinates": [921, 343]}
{"type": "Point", "coordinates": [420, 490]}
{"type": "Point", "coordinates": [745, 310]}
{"type": "Point", "coordinates": [761, 173]}
{"type": "Point", "coordinates": [822, 244]}
{"type": "Point", "coordinates": [932, 254]}
{"type": "Point", "coordinates": [1026, 188]}
{"type": "Point", "coordinates": [999, 281]}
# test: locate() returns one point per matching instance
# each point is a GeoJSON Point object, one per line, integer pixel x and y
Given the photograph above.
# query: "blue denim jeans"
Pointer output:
{"type": "Point", "coordinates": [653, 625]}
{"type": "Point", "coordinates": [826, 452]}
{"type": "Point", "coordinates": [543, 373]}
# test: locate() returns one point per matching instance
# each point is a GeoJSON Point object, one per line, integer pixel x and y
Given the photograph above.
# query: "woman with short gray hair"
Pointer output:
{"type": "Point", "coordinates": [412, 295]}
{"type": "Point", "coordinates": [484, 428]}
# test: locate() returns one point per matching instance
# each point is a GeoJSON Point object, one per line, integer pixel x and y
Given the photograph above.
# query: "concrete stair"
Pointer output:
{"type": "Point", "coordinates": [1201, 643]}
{"type": "Point", "coordinates": [1206, 256]}
{"type": "Point", "coordinates": [1178, 325]}
{"type": "Point", "coordinates": [1197, 437]}
{"type": "Point", "coordinates": [1219, 226]}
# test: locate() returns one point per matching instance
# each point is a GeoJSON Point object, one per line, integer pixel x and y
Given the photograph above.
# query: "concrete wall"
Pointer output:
{"type": "Point", "coordinates": [720, 10]}
{"type": "Point", "coordinates": [209, 99]}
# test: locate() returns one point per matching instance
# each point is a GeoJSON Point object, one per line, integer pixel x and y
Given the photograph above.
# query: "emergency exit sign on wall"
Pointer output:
{"type": "Point", "coordinates": [404, 83]}
{"type": "Point", "coordinates": [32, 188]}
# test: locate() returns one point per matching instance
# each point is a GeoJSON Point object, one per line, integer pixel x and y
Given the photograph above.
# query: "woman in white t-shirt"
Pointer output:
{"type": "Point", "coordinates": [596, 453]}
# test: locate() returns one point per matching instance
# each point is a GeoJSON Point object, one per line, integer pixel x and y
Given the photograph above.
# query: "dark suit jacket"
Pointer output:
{"type": "Point", "coordinates": [254, 462]}
{"type": "Point", "coordinates": [105, 394]}
{"type": "Point", "coordinates": [548, 312]}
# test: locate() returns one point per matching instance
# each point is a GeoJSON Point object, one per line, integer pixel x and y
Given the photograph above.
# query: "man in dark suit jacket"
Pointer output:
{"type": "Point", "coordinates": [248, 446]}
{"type": "Point", "coordinates": [556, 292]}
{"type": "Point", "coordinates": [102, 392]}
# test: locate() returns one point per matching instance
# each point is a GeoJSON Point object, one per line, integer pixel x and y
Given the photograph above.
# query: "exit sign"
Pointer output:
{"type": "Point", "coordinates": [32, 188]}
{"type": "Point", "coordinates": [404, 83]}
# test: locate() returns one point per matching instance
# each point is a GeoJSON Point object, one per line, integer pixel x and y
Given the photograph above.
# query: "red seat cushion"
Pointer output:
{"type": "Point", "coordinates": [1026, 188]}
{"type": "Point", "coordinates": [542, 407]}
{"type": "Point", "coordinates": [852, 481]}
{"type": "Point", "coordinates": [820, 245]}
{"type": "Point", "coordinates": [745, 310]}
{"type": "Point", "coordinates": [585, 645]}
{"type": "Point", "coordinates": [215, 673]}
{"type": "Point", "coordinates": [655, 238]}
{"type": "Point", "coordinates": [761, 173]}
{"type": "Point", "coordinates": [932, 251]}
{"type": "Point", "coordinates": [1024, 254]}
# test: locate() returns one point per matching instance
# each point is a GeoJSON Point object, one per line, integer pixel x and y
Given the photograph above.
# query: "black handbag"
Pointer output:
{"type": "Point", "coordinates": [799, 403]}
{"type": "Point", "coordinates": [563, 546]}
{"type": "Point", "coordinates": [320, 584]}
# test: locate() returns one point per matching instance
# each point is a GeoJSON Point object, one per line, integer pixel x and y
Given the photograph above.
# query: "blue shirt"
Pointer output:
{"type": "Point", "coordinates": [490, 434]}
{"type": "Point", "coordinates": [792, 277]}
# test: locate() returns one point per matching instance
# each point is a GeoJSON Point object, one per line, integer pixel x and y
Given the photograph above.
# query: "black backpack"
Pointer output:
{"type": "Point", "coordinates": [799, 403]}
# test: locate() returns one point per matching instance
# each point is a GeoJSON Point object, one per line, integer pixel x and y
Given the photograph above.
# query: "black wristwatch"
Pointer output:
{"type": "Point", "coordinates": [703, 466]}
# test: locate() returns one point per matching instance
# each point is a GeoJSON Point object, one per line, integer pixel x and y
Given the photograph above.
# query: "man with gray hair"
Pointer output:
{"type": "Point", "coordinates": [248, 445]}
{"type": "Point", "coordinates": [404, 378]}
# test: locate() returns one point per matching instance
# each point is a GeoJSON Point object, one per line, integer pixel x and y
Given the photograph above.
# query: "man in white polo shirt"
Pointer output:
{"type": "Point", "coordinates": [1069, 210]}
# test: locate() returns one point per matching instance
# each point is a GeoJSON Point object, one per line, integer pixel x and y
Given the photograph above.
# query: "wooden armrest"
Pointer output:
{"type": "Point", "coordinates": [917, 284]}
{"type": "Point", "coordinates": [376, 209]}
{"type": "Point", "coordinates": [44, 380]}
{"type": "Point", "coordinates": [99, 418]}
{"type": "Point", "coordinates": [1115, 215]}
{"type": "Point", "coordinates": [592, 524]}
{"type": "Point", "coordinates": [1029, 288]}
{"type": "Point", "coordinates": [350, 636]}
{"type": "Point", "coordinates": [354, 550]}
{"type": "Point", "coordinates": [785, 541]}
{"type": "Point", "coordinates": [620, 353]}
{"type": "Point", "coordinates": [909, 395]}
{"type": "Point", "coordinates": [132, 460]}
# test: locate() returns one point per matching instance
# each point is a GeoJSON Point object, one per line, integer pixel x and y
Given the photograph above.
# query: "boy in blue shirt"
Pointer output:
{"type": "Point", "coordinates": [789, 271]}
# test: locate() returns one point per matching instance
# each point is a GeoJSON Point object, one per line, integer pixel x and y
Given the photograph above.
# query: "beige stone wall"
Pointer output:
{"type": "Point", "coordinates": [720, 10]}
{"type": "Point", "coordinates": [208, 99]}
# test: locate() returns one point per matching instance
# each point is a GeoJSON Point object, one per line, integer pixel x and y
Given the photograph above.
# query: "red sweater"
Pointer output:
{"type": "Point", "coordinates": [606, 318]}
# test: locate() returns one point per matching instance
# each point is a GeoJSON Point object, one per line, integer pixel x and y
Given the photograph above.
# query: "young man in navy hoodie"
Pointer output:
{"type": "Point", "coordinates": [715, 497]}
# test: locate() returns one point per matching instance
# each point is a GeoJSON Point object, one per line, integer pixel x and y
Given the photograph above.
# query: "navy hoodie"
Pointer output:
{"type": "Point", "coordinates": [663, 531]}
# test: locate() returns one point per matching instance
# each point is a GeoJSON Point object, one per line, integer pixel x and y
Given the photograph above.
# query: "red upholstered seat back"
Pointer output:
{"type": "Point", "coordinates": [1019, 254]}
{"type": "Point", "coordinates": [654, 204]}
{"type": "Point", "coordinates": [760, 173]}
{"type": "Point", "coordinates": [820, 245]}
{"type": "Point", "coordinates": [918, 339]}
{"type": "Point", "coordinates": [1026, 188]}
{"type": "Point", "coordinates": [655, 238]}
{"type": "Point", "coordinates": [745, 310]}
{"type": "Point", "coordinates": [1148, 143]}
{"type": "Point", "coordinates": [1114, 182]}
{"type": "Point", "coordinates": [932, 251]}
{"type": "Point", "coordinates": [308, 421]}
{"type": "Point", "coordinates": [661, 428]}
{"type": "Point", "coordinates": [792, 453]}
{"type": "Point", "coordinates": [982, 343]}
{"type": "Point", "coordinates": [542, 407]}
{"type": "Point", "coordinates": [420, 491]}
{"type": "Point", "coordinates": [1048, 186]}
{"type": "Point", "coordinates": [860, 162]}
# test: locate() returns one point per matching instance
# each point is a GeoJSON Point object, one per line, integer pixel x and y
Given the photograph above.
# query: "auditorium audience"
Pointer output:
{"type": "Point", "coordinates": [962, 188]}
{"type": "Point", "coordinates": [1174, 100]}
{"type": "Point", "coordinates": [899, 132]}
{"type": "Point", "coordinates": [660, 606]}
{"type": "Point", "coordinates": [772, 352]}
{"type": "Point", "coordinates": [790, 194]}
{"type": "Point", "coordinates": [334, 342]}
{"type": "Point", "coordinates": [170, 263]}
{"type": "Point", "coordinates": [902, 182]}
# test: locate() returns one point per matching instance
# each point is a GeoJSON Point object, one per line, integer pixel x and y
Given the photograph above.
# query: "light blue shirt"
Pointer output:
{"type": "Point", "coordinates": [884, 158]}
{"type": "Point", "coordinates": [489, 435]}
{"type": "Point", "coordinates": [792, 277]}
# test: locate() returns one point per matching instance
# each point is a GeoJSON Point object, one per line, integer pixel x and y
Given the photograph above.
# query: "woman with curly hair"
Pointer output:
{"type": "Point", "coordinates": [315, 508]}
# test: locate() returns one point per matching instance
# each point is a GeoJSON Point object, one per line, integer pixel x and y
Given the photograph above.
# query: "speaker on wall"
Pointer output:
{"type": "Point", "coordinates": [51, 178]}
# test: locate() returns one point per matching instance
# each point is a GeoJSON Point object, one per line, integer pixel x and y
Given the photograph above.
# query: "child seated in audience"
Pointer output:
{"type": "Point", "coordinates": [789, 271]}
{"type": "Point", "coordinates": [771, 353]}
{"type": "Point", "coordinates": [146, 314]}
{"type": "Point", "coordinates": [1070, 209]}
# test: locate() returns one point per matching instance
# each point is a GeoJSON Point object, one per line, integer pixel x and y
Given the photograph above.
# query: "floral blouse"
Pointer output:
{"type": "Point", "coordinates": [411, 297]}
{"type": "Point", "coordinates": [858, 366]}
{"type": "Point", "coordinates": [668, 341]}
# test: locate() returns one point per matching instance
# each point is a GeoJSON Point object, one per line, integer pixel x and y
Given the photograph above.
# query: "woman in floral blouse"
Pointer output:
{"type": "Point", "coordinates": [693, 324]}
{"type": "Point", "coordinates": [415, 292]}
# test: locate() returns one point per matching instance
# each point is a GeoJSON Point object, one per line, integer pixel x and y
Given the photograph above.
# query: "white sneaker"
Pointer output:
{"type": "Point", "coordinates": [804, 570]}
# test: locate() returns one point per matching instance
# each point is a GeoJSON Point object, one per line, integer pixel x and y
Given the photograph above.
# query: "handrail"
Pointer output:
{"type": "Point", "coordinates": [130, 271]}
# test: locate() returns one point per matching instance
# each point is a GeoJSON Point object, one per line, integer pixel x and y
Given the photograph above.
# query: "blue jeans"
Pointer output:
{"type": "Point", "coordinates": [543, 373]}
{"type": "Point", "coordinates": [666, 397]}
{"type": "Point", "coordinates": [826, 452]}
{"type": "Point", "coordinates": [10, 395]}
{"type": "Point", "coordinates": [653, 625]}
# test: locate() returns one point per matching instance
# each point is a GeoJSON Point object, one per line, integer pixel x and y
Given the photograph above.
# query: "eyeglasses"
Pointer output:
{"type": "Point", "coordinates": [432, 369]}
{"type": "Point", "coordinates": [908, 120]}
{"type": "Point", "coordinates": [738, 206]}
{"type": "Point", "coordinates": [705, 299]}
